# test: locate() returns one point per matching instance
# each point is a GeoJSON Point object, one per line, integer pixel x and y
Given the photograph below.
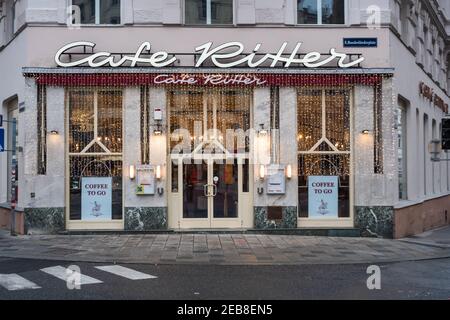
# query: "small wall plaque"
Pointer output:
{"type": "Point", "coordinates": [276, 180]}
{"type": "Point", "coordinates": [145, 178]}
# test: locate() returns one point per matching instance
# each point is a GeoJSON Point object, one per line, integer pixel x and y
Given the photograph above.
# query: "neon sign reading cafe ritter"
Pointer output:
{"type": "Point", "coordinates": [226, 55]}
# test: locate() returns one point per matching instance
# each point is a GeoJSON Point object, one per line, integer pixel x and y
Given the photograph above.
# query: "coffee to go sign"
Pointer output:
{"type": "Point", "coordinates": [96, 198]}
{"type": "Point", "coordinates": [226, 55]}
{"type": "Point", "coordinates": [323, 197]}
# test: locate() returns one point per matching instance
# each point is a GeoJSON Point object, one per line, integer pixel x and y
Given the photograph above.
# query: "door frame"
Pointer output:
{"type": "Point", "coordinates": [175, 198]}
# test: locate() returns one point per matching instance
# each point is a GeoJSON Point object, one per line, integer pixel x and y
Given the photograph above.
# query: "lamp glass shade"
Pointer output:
{"type": "Point", "coordinates": [262, 171]}
{"type": "Point", "coordinates": [132, 172]}
{"type": "Point", "coordinates": [288, 171]}
{"type": "Point", "coordinates": [158, 172]}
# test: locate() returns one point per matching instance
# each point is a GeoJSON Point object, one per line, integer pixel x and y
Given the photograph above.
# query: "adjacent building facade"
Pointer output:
{"type": "Point", "coordinates": [310, 115]}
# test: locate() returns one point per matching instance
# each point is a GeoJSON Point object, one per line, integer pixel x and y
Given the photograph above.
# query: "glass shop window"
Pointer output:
{"type": "Point", "coordinates": [95, 154]}
{"type": "Point", "coordinates": [401, 151]}
{"type": "Point", "coordinates": [320, 11]}
{"type": "Point", "coordinates": [12, 143]}
{"type": "Point", "coordinates": [96, 11]}
{"type": "Point", "coordinates": [323, 139]}
{"type": "Point", "coordinates": [200, 12]}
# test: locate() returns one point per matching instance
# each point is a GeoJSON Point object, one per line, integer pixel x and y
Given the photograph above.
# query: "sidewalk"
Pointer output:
{"type": "Point", "coordinates": [224, 249]}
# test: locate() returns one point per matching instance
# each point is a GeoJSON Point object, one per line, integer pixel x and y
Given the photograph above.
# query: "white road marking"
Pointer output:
{"type": "Point", "coordinates": [14, 282]}
{"type": "Point", "coordinates": [126, 272]}
{"type": "Point", "coordinates": [61, 273]}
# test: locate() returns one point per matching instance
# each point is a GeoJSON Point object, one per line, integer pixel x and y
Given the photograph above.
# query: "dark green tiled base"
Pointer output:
{"type": "Point", "coordinates": [44, 220]}
{"type": "Point", "coordinates": [375, 221]}
{"type": "Point", "coordinates": [145, 218]}
{"type": "Point", "coordinates": [289, 218]}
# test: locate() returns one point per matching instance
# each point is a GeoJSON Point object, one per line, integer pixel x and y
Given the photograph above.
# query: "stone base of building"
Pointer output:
{"type": "Point", "coordinates": [44, 220]}
{"type": "Point", "coordinates": [287, 218]}
{"type": "Point", "coordinates": [145, 218]}
{"type": "Point", "coordinates": [376, 221]}
{"type": "Point", "coordinates": [421, 217]}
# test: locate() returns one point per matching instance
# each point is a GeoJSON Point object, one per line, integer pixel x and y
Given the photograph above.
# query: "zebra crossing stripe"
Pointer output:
{"type": "Point", "coordinates": [61, 273]}
{"type": "Point", "coordinates": [126, 272]}
{"type": "Point", "coordinates": [13, 282]}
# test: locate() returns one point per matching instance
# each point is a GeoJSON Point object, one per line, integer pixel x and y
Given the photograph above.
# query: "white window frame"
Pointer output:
{"type": "Point", "coordinates": [319, 15]}
{"type": "Point", "coordinates": [346, 222]}
{"type": "Point", "coordinates": [208, 15]}
{"type": "Point", "coordinates": [97, 15]}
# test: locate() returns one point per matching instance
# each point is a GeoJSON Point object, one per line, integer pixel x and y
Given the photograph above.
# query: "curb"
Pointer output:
{"type": "Point", "coordinates": [224, 263]}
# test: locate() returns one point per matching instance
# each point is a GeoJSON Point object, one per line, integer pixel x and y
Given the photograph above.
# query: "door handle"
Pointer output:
{"type": "Point", "coordinates": [206, 190]}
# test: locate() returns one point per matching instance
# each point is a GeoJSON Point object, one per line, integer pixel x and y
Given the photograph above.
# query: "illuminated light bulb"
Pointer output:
{"type": "Point", "coordinates": [132, 171]}
{"type": "Point", "coordinates": [158, 172]}
{"type": "Point", "coordinates": [289, 171]}
{"type": "Point", "coordinates": [262, 172]}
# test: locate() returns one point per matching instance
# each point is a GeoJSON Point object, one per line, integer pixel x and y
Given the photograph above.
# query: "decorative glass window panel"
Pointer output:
{"type": "Point", "coordinates": [97, 11]}
{"type": "Point", "coordinates": [95, 143]}
{"type": "Point", "coordinates": [324, 165]}
{"type": "Point", "coordinates": [221, 11]}
{"type": "Point", "coordinates": [208, 12]}
{"type": "Point", "coordinates": [87, 11]}
{"type": "Point", "coordinates": [333, 11]}
{"type": "Point", "coordinates": [307, 12]}
{"type": "Point", "coordinates": [401, 152]}
{"type": "Point", "coordinates": [42, 129]}
{"type": "Point", "coordinates": [323, 138]}
{"type": "Point", "coordinates": [320, 11]}
{"type": "Point", "coordinates": [110, 12]}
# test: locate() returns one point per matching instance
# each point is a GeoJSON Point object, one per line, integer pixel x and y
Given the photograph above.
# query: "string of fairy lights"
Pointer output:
{"type": "Point", "coordinates": [323, 117]}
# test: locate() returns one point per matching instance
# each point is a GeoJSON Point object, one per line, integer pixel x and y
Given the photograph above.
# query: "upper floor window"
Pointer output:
{"type": "Point", "coordinates": [97, 11]}
{"type": "Point", "coordinates": [321, 11]}
{"type": "Point", "coordinates": [208, 12]}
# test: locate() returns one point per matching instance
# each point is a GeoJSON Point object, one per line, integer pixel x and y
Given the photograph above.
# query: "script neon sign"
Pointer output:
{"type": "Point", "coordinates": [227, 55]}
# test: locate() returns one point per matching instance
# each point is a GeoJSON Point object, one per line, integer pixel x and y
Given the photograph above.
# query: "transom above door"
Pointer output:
{"type": "Point", "coordinates": [209, 155]}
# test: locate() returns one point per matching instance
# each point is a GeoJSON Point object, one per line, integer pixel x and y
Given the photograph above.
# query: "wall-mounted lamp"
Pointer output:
{"type": "Point", "coordinates": [262, 172]}
{"type": "Point", "coordinates": [365, 131]}
{"type": "Point", "coordinates": [288, 171]}
{"type": "Point", "coordinates": [158, 172]}
{"type": "Point", "coordinates": [262, 131]}
{"type": "Point", "coordinates": [158, 130]}
{"type": "Point", "coordinates": [54, 132]}
{"type": "Point", "coordinates": [132, 171]}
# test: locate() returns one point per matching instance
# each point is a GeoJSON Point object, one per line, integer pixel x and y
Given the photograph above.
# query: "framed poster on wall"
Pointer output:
{"type": "Point", "coordinates": [276, 183]}
{"type": "Point", "coordinates": [323, 197]}
{"type": "Point", "coordinates": [145, 180]}
{"type": "Point", "coordinates": [96, 198]}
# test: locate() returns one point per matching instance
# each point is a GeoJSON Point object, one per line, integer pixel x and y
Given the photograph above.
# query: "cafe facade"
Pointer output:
{"type": "Point", "coordinates": [174, 128]}
{"type": "Point", "coordinates": [214, 137]}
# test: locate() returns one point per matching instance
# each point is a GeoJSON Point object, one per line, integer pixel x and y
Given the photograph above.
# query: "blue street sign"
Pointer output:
{"type": "Point", "coordinates": [360, 42]}
{"type": "Point", "coordinates": [2, 139]}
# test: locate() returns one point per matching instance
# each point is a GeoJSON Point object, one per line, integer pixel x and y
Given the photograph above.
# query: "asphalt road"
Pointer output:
{"type": "Point", "coordinates": [428, 279]}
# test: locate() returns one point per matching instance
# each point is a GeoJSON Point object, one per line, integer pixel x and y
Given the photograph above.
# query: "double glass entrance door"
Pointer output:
{"type": "Point", "coordinates": [211, 192]}
{"type": "Point", "coordinates": [214, 174]}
